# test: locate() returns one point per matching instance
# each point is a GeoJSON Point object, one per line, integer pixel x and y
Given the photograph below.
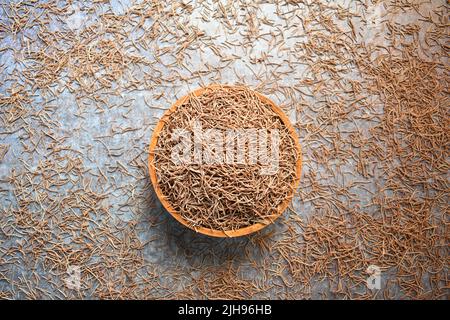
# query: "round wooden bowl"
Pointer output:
{"type": "Point", "coordinates": [178, 216]}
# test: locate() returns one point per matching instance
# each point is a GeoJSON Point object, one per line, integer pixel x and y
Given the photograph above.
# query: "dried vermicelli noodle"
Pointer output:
{"type": "Point", "coordinates": [227, 195]}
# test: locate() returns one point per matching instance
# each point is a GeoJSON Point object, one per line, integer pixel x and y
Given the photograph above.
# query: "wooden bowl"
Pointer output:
{"type": "Point", "coordinates": [178, 216]}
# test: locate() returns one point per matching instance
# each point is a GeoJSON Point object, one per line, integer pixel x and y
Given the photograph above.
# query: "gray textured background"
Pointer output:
{"type": "Point", "coordinates": [172, 248]}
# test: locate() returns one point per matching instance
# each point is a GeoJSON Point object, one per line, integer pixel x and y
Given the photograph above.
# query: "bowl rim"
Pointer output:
{"type": "Point", "coordinates": [207, 231]}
